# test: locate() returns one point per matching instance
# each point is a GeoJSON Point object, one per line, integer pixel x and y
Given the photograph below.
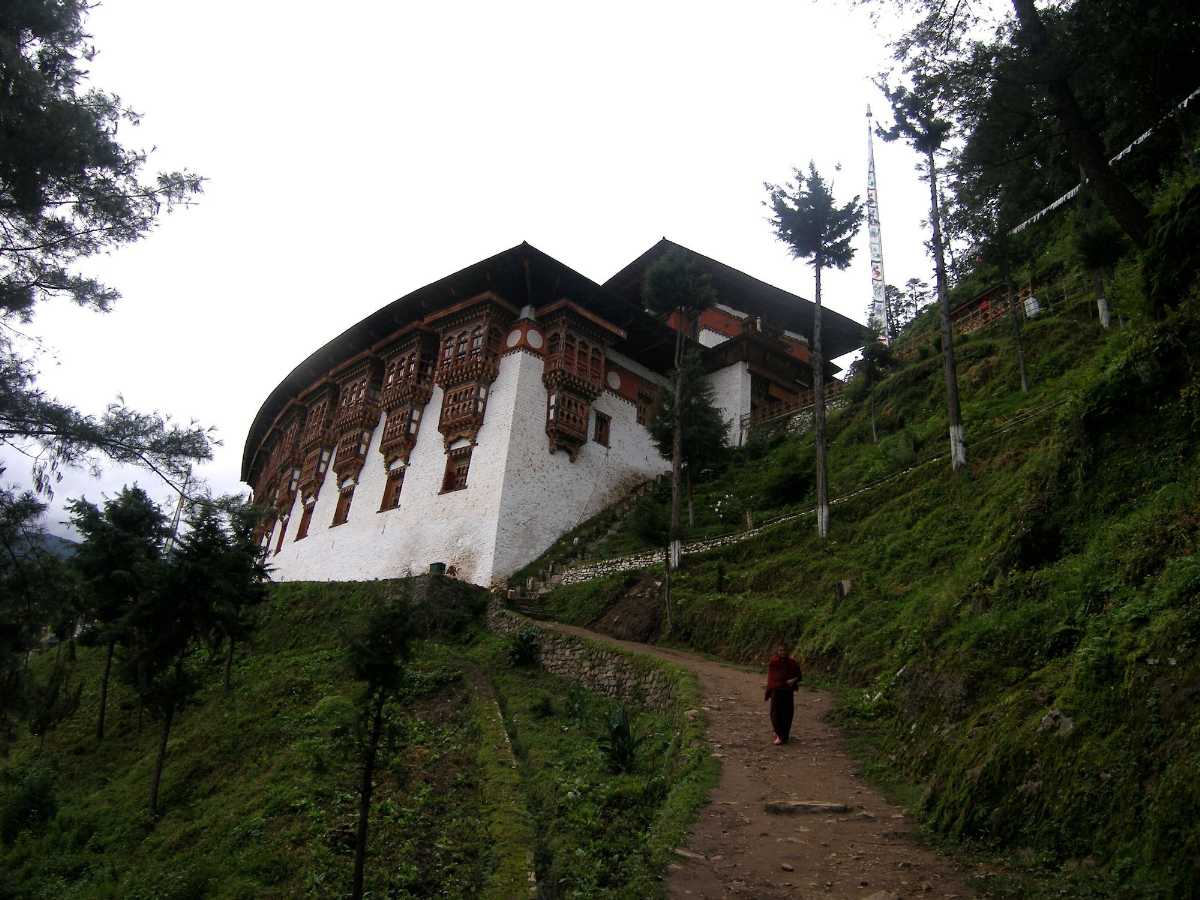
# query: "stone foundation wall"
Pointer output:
{"type": "Point", "coordinates": [628, 678]}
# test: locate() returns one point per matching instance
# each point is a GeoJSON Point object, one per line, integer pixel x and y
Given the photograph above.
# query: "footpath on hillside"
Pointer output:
{"type": "Point", "coordinates": [839, 837]}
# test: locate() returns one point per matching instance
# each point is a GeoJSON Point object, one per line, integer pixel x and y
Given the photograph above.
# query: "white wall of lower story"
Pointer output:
{"type": "Point", "coordinates": [731, 393]}
{"type": "Point", "coordinates": [546, 495]}
{"type": "Point", "coordinates": [457, 528]}
{"type": "Point", "coordinates": [519, 498]}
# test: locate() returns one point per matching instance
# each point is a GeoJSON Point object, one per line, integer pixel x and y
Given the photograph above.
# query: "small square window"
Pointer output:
{"type": "Point", "coordinates": [602, 427]}
{"type": "Point", "coordinates": [342, 511]}
{"type": "Point", "coordinates": [458, 463]}
{"type": "Point", "coordinates": [391, 491]}
{"type": "Point", "coordinates": [305, 519]}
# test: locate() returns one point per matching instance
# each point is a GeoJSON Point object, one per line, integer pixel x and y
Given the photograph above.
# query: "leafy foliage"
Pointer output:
{"type": "Point", "coordinates": [673, 282]}
{"type": "Point", "coordinates": [704, 433]}
{"type": "Point", "coordinates": [620, 745]}
{"type": "Point", "coordinates": [523, 650]}
{"type": "Point", "coordinates": [70, 190]}
{"type": "Point", "coordinates": [805, 217]}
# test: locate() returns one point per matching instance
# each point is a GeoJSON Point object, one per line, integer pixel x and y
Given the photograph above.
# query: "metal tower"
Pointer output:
{"type": "Point", "coordinates": [879, 308]}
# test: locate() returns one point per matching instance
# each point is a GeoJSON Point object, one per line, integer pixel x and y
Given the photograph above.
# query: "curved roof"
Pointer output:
{"type": "Point", "coordinates": [522, 275]}
{"type": "Point", "coordinates": [839, 334]}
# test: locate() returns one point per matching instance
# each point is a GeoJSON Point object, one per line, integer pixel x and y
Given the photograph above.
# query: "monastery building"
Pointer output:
{"type": "Point", "coordinates": [475, 420]}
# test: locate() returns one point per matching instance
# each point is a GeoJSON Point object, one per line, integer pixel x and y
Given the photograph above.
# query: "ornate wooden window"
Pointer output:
{"type": "Point", "coordinates": [391, 490]}
{"type": "Point", "coordinates": [283, 524]}
{"type": "Point", "coordinates": [472, 339]}
{"type": "Point", "coordinates": [458, 463]}
{"type": "Point", "coordinates": [317, 441]}
{"type": "Point", "coordinates": [600, 436]}
{"type": "Point", "coordinates": [407, 386]}
{"type": "Point", "coordinates": [342, 511]}
{"type": "Point", "coordinates": [574, 372]}
{"type": "Point", "coordinates": [305, 520]}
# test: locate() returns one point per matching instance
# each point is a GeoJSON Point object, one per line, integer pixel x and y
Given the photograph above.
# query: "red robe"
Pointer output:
{"type": "Point", "coordinates": [781, 670]}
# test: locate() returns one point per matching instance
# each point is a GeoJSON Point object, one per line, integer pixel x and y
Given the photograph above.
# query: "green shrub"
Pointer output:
{"type": "Point", "coordinates": [620, 745]}
{"type": "Point", "coordinates": [790, 475]}
{"type": "Point", "coordinates": [650, 521]}
{"type": "Point", "coordinates": [1172, 259]}
{"type": "Point", "coordinates": [27, 802]}
{"type": "Point", "coordinates": [523, 648]}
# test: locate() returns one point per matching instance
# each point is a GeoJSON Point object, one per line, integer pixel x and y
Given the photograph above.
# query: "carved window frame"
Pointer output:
{"type": "Point", "coordinates": [458, 466]}
{"type": "Point", "coordinates": [602, 434]}
{"type": "Point", "coordinates": [392, 489]}
{"type": "Point", "coordinates": [305, 521]}
{"type": "Point", "coordinates": [341, 512]}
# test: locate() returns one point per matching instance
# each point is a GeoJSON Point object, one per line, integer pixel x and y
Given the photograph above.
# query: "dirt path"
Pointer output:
{"type": "Point", "coordinates": [739, 850]}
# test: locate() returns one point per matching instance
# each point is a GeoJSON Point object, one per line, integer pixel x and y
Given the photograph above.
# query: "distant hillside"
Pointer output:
{"type": "Point", "coordinates": [1021, 639]}
{"type": "Point", "coordinates": [44, 542]}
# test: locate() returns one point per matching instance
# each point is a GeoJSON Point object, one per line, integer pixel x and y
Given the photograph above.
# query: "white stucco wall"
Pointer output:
{"type": "Point", "coordinates": [456, 528]}
{"type": "Point", "coordinates": [519, 498]}
{"type": "Point", "coordinates": [546, 494]}
{"type": "Point", "coordinates": [731, 390]}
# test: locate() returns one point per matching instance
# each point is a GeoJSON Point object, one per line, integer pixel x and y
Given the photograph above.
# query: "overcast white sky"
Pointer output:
{"type": "Point", "coordinates": [355, 154]}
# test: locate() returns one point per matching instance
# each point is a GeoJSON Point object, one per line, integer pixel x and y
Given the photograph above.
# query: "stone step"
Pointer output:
{"type": "Point", "coordinates": [803, 807]}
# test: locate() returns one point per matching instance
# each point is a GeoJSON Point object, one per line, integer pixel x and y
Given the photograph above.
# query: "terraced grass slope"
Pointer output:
{"type": "Point", "coordinates": [488, 773]}
{"type": "Point", "coordinates": [1022, 638]}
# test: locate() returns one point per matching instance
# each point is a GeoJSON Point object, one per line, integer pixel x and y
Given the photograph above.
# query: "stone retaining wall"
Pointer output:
{"type": "Point", "coordinates": [598, 668]}
{"type": "Point", "coordinates": [600, 568]}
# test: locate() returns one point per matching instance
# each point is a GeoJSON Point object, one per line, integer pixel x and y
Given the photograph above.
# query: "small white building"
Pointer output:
{"type": "Point", "coordinates": [475, 420]}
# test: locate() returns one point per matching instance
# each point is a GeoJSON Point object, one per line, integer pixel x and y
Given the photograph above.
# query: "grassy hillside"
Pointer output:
{"type": "Point", "coordinates": [260, 792]}
{"type": "Point", "coordinates": [1021, 638]}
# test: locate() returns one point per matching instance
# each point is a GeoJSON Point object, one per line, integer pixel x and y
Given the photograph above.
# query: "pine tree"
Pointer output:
{"type": "Point", "coordinates": [376, 656]}
{"type": "Point", "coordinates": [705, 435]}
{"type": "Point", "coordinates": [805, 218]}
{"type": "Point", "coordinates": [920, 121]}
{"type": "Point", "coordinates": [674, 286]}
{"type": "Point", "coordinates": [121, 562]}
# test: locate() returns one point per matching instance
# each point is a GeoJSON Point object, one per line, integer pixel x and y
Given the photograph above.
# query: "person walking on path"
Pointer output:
{"type": "Point", "coordinates": [783, 680]}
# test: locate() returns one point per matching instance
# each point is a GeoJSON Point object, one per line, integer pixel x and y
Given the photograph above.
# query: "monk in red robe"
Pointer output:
{"type": "Point", "coordinates": [783, 680]}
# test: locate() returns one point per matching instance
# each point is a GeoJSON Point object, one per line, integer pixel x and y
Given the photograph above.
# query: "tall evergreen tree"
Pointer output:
{"type": "Point", "coordinates": [37, 598]}
{"type": "Point", "coordinates": [673, 286]}
{"type": "Point", "coordinates": [805, 217]}
{"type": "Point", "coordinates": [121, 562]}
{"type": "Point", "coordinates": [377, 656]}
{"type": "Point", "coordinates": [920, 121]}
{"type": "Point", "coordinates": [1053, 57]}
{"type": "Point", "coordinates": [705, 434]}
{"type": "Point", "coordinates": [227, 566]}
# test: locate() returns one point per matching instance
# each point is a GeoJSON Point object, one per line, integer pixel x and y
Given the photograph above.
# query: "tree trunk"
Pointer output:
{"type": "Point", "coordinates": [871, 407]}
{"type": "Point", "coordinates": [168, 718]}
{"type": "Point", "coordinates": [364, 796]}
{"type": "Point", "coordinates": [691, 504]}
{"type": "Point", "coordinates": [104, 690]}
{"type": "Point", "coordinates": [818, 363]}
{"type": "Point", "coordinates": [958, 447]}
{"type": "Point", "coordinates": [1084, 141]}
{"type": "Point", "coordinates": [1101, 299]}
{"type": "Point", "coordinates": [1015, 314]}
{"type": "Point", "coordinates": [229, 666]}
{"type": "Point", "coordinates": [677, 442]}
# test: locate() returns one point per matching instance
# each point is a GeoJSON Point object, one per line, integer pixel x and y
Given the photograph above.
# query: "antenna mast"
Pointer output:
{"type": "Point", "coordinates": [879, 308]}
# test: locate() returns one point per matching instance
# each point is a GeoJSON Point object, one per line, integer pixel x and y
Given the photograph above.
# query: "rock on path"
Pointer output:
{"type": "Point", "coordinates": [763, 835]}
